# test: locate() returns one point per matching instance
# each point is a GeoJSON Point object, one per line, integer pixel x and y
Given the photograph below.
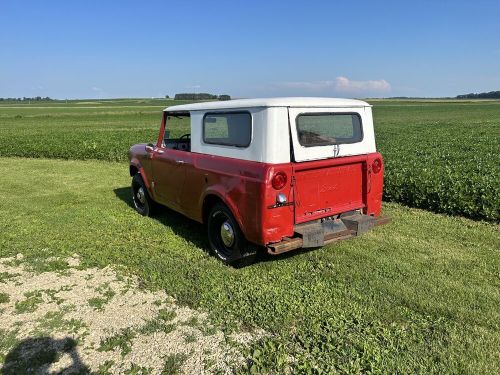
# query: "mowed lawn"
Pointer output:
{"type": "Point", "coordinates": [419, 295]}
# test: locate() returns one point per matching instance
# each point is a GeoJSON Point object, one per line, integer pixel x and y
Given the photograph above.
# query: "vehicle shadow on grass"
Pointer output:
{"type": "Point", "coordinates": [193, 231]}
{"type": "Point", "coordinates": [35, 355]}
{"type": "Point", "coordinates": [188, 229]}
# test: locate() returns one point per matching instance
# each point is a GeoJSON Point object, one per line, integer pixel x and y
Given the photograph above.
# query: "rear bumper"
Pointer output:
{"type": "Point", "coordinates": [320, 234]}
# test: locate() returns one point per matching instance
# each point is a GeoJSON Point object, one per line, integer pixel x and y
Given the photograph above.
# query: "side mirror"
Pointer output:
{"type": "Point", "coordinates": [150, 147]}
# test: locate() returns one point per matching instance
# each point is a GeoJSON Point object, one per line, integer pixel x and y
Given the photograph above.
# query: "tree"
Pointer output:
{"type": "Point", "coordinates": [482, 95]}
{"type": "Point", "coordinates": [200, 96]}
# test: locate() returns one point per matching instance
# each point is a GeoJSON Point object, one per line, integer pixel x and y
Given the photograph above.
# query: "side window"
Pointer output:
{"type": "Point", "coordinates": [323, 129]}
{"type": "Point", "coordinates": [177, 124]}
{"type": "Point", "coordinates": [228, 128]}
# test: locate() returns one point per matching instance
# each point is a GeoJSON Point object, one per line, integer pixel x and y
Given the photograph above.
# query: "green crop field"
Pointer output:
{"type": "Point", "coordinates": [441, 156]}
{"type": "Point", "coordinates": [419, 295]}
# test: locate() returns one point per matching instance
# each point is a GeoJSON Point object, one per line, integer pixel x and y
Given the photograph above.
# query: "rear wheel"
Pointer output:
{"type": "Point", "coordinates": [226, 239]}
{"type": "Point", "coordinates": [143, 203]}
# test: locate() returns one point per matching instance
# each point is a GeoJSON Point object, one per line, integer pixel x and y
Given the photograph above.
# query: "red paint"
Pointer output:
{"type": "Point", "coordinates": [376, 166]}
{"type": "Point", "coordinates": [141, 161]}
{"type": "Point", "coordinates": [329, 187]}
{"type": "Point", "coordinates": [162, 130]}
{"type": "Point", "coordinates": [373, 198]}
{"type": "Point", "coordinates": [169, 170]}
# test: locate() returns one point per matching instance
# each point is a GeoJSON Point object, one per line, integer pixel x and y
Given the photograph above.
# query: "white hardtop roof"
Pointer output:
{"type": "Point", "coordinates": [270, 102]}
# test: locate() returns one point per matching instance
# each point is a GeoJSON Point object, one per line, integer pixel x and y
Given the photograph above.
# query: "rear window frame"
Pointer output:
{"type": "Point", "coordinates": [357, 140]}
{"type": "Point", "coordinates": [239, 112]}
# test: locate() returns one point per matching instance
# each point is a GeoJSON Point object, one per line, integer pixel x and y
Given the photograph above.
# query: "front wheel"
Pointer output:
{"type": "Point", "coordinates": [226, 239]}
{"type": "Point", "coordinates": [143, 203]}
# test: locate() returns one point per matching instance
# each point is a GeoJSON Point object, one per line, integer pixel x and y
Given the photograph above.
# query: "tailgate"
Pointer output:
{"type": "Point", "coordinates": [328, 187]}
{"type": "Point", "coordinates": [330, 148]}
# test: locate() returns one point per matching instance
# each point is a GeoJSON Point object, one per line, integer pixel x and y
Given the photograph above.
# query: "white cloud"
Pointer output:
{"type": "Point", "coordinates": [340, 85]}
{"type": "Point", "coordinates": [94, 88]}
{"type": "Point", "coordinates": [193, 87]}
{"type": "Point", "coordinates": [344, 84]}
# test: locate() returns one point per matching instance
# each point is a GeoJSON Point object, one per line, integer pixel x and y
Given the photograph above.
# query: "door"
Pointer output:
{"type": "Point", "coordinates": [169, 175]}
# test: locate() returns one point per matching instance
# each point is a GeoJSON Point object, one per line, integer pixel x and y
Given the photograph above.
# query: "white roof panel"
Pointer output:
{"type": "Point", "coordinates": [270, 102]}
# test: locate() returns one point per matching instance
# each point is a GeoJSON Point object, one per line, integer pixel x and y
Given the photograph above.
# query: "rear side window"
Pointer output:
{"type": "Point", "coordinates": [324, 129]}
{"type": "Point", "coordinates": [228, 128]}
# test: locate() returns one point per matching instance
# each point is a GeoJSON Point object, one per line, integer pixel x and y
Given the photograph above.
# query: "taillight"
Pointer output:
{"type": "Point", "coordinates": [279, 180]}
{"type": "Point", "coordinates": [377, 165]}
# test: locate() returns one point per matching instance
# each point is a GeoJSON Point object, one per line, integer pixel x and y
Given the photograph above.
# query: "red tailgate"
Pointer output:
{"type": "Point", "coordinates": [329, 187]}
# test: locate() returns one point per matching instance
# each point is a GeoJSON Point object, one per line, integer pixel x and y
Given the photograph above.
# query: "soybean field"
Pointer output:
{"type": "Point", "coordinates": [441, 156]}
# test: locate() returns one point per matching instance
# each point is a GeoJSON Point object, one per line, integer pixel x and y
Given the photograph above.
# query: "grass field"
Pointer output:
{"type": "Point", "coordinates": [419, 295]}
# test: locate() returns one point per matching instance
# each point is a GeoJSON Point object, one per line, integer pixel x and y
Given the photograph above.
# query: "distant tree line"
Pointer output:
{"type": "Point", "coordinates": [482, 95]}
{"type": "Point", "coordinates": [25, 99]}
{"type": "Point", "coordinates": [200, 96]}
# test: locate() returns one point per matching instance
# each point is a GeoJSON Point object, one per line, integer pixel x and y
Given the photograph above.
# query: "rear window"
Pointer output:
{"type": "Point", "coordinates": [228, 129]}
{"type": "Point", "coordinates": [323, 129]}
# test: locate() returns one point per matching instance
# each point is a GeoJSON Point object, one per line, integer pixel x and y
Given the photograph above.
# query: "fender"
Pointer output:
{"type": "Point", "coordinates": [136, 163]}
{"type": "Point", "coordinates": [219, 192]}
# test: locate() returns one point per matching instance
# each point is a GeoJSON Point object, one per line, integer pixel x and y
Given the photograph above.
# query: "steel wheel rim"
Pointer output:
{"type": "Point", "coordinates": [139, 196]}
{"type": "Point", "coordinates": [227, 234]}
{"type": "Point", "coordinates": [218, 232]}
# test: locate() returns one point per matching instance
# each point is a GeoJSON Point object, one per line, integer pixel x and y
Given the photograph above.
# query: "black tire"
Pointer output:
{"type": "Point", "coordinates": [234, 249]}
{"type": "Point", "coordinates": [143, 203]}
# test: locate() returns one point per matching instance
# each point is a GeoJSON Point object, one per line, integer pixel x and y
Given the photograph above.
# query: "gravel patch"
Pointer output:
{"type": "Point", "coordinates": [90, 320]}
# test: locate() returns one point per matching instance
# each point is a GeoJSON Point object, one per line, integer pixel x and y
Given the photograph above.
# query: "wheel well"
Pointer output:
{"type": "Point", "coordinates": [133, 170]}
{"type": "Point", "coordinates": [208, 203]}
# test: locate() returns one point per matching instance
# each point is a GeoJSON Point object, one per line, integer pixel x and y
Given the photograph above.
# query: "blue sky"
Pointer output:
{"type": "Point", "coordinates": [100, 49]}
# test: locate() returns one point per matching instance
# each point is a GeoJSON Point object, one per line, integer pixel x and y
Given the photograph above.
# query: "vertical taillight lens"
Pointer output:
{"type": "Point", "coordinates": [279, 180]}
{"type": "Point", "coordinates": [377, 165]}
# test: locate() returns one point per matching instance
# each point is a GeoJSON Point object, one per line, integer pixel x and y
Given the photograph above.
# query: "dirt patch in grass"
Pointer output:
{"type": "Point", "coordinates": [94, 320]}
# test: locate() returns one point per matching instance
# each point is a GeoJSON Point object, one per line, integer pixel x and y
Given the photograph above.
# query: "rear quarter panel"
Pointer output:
{"type": "Point", "coordinates": [244, 186]}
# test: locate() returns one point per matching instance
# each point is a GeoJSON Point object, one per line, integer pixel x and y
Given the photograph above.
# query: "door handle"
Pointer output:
{"type": "Point", "coordinates": [180, 162]}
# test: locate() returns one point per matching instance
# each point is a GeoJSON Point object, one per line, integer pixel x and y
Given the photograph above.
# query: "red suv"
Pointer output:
{"type": "Point", "coordinates": [280, 173]}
